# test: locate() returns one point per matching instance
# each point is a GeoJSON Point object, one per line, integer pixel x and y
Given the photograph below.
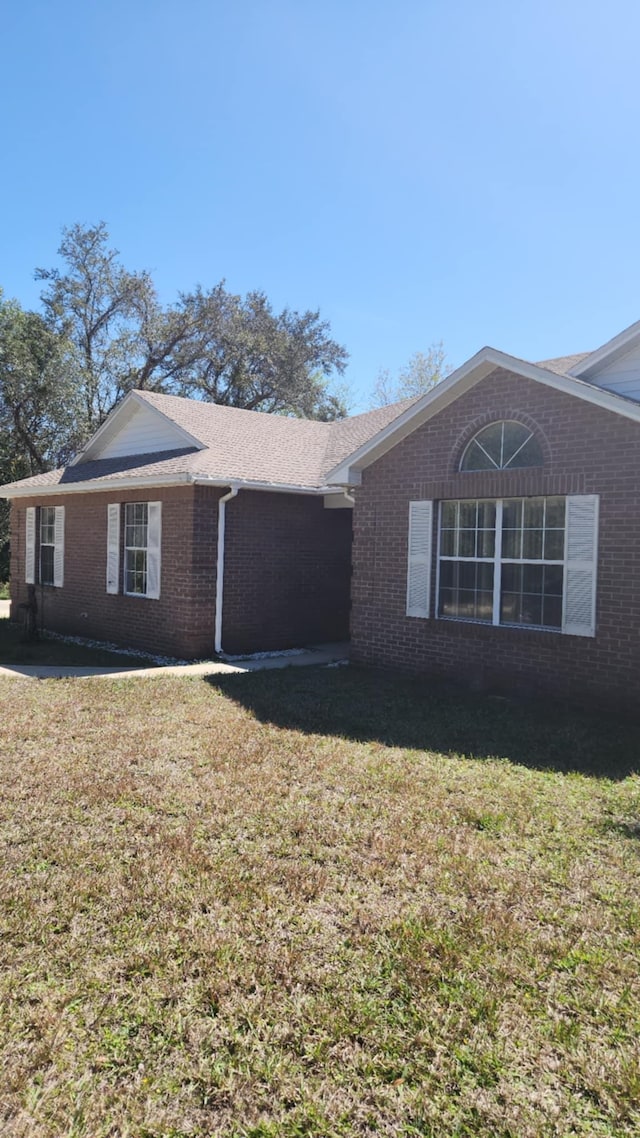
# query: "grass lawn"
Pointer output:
{"type": "Point", "coordinates": [15, 648]}
{"type": "Point", "coordinates": [4, 590]}
{"type": "Point", "coordinates": [315, 903]}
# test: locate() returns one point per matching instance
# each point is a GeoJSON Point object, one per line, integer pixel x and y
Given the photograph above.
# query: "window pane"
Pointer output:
{"type": "Point", "coordinates": [512, 543]}
{"type": "Point", "coordinates": [554, 512]}
{"type": "Point", "coordinates": [552, 612]}
{"type": "Point", "coordinates": [512, 513]}
{"type": "Point", "coordinates": [475, 459]}
{"type": "Point", "coordinates": [468, 515]}
{"type": "Point", "coordinates": [46, 564]}
{"type": "Point", "coordinates": [530, 609]}
{"type": "Point", "coordinates": [486, 542]}
{"type": "Point", "coordinates": [529, 455]}
{"type": "Point", "coordinates": [534, 513]}
{"type": "Point", "coordinates": [447, 603]}
{"type": "Point", "coordinates": [448, 546]}
{"type": "Point", "coordinates": [448, 515]}
{"type": "Point", "coordinates": [553, 580]}
{"type": "Point", "coordinates": [532, 578]}
{"type": "Point", "coordinates": [554, 545]}
{"type": "Point", "coordinates": [467, 543]}
{"type": "Point", "coordinates": [486, 515]}
{"type": "Point", "coordinates": [490, 438]}
{"type": "Point", "coordinates": [532, 543]}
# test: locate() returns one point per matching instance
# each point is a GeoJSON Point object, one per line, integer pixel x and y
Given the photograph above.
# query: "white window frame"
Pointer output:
{"type": "Point", "coordinates": [152, 551]}
{"type": "Point", "coordinates": [498, 561]}
{"type": "Point", "coordinates": [51, 525]}
{"type": "Point", "coordinates": [494, 465]}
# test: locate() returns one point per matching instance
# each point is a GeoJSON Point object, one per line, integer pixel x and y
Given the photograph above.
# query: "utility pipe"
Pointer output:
{"type": "Point", "coordinates": [222, 502]}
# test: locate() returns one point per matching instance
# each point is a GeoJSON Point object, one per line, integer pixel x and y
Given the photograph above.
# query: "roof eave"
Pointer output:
{"type": "Point", "coordinates": [348, 472]}
{"type": "Point", "coordinates": [113, 485]}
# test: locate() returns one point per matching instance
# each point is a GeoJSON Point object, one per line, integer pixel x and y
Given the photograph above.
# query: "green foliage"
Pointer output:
{"type": "Point", "coordinates": [423, 371]}
{"type": "Point", "coordinates": [210, 344]}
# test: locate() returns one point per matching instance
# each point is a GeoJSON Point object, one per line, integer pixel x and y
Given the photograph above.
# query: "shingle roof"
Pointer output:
{"type": "Point", "coordinates": [562, 365]}
{"type": "Point", "coordinates": [237, 445]}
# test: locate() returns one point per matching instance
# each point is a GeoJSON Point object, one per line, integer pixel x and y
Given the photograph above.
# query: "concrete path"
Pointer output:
{"type": "Point", "coordinates": [4, 609]}
{"type": "Point", "coordinates": [321, 654]}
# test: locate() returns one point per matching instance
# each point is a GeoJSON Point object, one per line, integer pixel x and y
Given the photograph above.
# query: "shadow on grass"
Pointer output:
{"type": "Point", "coordinates": [418, 713]}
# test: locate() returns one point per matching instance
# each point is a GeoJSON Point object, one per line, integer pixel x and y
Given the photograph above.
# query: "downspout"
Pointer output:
{"type": "Point", "coordinates": [220, 565]}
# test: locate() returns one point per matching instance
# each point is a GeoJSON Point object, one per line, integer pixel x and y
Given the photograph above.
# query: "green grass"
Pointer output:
{"type": "Point", "coordinates": [315, 903]}
{"type": "Point", "coordinates": [17, 648]}
{"type": "Point", "coordinates": [4, 590]}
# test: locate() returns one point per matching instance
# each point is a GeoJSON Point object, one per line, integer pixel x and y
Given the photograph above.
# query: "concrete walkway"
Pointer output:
{"type": "Point", "coordinates": [320, 654]}
{"type": "Point", "coordinates": [4, 609]}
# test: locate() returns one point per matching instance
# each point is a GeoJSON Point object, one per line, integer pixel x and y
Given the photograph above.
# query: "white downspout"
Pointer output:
{"type": "Point", "coordinates": [220, 565]}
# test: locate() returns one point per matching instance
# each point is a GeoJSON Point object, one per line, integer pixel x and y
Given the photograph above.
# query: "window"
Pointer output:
{"type": "Point", "coordinates": [47, 544]}
{"type": "Point", "coordinates": [511, 561]}
{"type": "Point", "coordinates": [44, 545]}
{"type": "Point", "coordinates": [502, 446]}
{"type": "Point", "coordinates": [503, 561]}
{"type": "Point", "coordinates": [134, 566]}
{"type": "Point", "coordinates": [136, 526]}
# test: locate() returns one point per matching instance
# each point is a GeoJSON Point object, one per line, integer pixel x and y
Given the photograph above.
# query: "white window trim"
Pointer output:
{"type": "Point", "coordinates": [498, 561]}
{"type": "Point", "coordinates": [152, 549]}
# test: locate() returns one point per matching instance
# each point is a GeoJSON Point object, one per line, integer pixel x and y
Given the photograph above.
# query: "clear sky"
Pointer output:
{"type": "Point", "coordinates": [464, 170]}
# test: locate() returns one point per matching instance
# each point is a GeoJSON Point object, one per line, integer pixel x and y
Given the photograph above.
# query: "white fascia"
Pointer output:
{"type": "Point", "coordinates": [132, 483]}
{"type": "Point", "coordinates": [620, 345]}
{"type": "Point", "coordinates": [349, 471]}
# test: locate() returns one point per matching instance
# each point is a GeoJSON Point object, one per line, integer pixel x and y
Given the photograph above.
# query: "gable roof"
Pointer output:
{"type": "Point", "coordinates": [214, 444]}
{"type": "Point", "coordinates": [348, 472]}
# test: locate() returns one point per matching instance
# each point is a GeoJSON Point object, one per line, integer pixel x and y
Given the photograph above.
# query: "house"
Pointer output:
{"type": "Point", "coordinates": [497, 527]}
{"type": "Point", "coordinates": [187, 528]}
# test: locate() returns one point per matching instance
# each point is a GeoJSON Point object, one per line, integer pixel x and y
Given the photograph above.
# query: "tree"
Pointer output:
{"type": "Point", "coordinates": [211, 345]}
{"type": "Point", "coordinates": [423, 371]}
{"type": "Point", "coordinates": [38, 401]}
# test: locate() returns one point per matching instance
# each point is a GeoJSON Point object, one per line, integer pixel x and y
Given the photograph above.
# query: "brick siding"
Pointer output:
{"type": "Point", "coordinates": [586, 451]}
{"type": "Point", "coordinates": [287, 572]}
{"type": "Point", "coordinates": [286, 583]}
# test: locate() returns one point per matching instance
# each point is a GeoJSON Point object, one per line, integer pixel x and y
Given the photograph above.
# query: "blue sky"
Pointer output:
{"type": "Point", "coordinates": [420, 171]}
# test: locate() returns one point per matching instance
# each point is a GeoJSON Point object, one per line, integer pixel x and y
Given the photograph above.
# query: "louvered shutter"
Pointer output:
{"type": "Point", "coordinates": [581, 557]}
{"type": "Point", "coordinates": [30, 546]}
{"type": "Point", "coordinates": [113, 548]}
{"type": "Point", "coordinates": [154, 541]}
{"type": "Point", "coordinates": [58, 552]}
{"type": "Point", "coordinates": [419, 558]}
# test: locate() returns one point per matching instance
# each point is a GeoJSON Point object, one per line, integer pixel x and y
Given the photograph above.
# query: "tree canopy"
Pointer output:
{"type": "Point", "coordinates": [423, 371]}
{"type": "Point", "coordinates": [209, 344]}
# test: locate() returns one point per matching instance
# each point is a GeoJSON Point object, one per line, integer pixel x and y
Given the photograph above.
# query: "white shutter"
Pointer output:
{"type": "Point", "coordinates": [30, 546]}
{"type": "Point", "coordinates": [113, 548]}
{"type": "Point", "coordinates": [580, 565]}
{"type": "Point", "coordinates": [58, 552]}
{"type": "Point", "coordinates": [154, 541]}
{"type": "Point", "coordinates": [419, 558]}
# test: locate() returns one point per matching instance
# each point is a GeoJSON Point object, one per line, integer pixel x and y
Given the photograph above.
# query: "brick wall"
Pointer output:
{"type": "Point", "coordinates": [180, 623]}
{"type": "Point", "coordinates": [587, 451]}
{"type": "Point", "coordinates": [286, 582]}
{"type": "Point", "coordinates": [287, 572]}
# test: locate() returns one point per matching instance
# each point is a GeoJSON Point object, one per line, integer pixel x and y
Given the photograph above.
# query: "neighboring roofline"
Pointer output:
{"type": "Point", "coordinates": [347, 472]}
{"type": "Point", "coordinates": [185, 478]}
{"type": "Point", "coordinates": [110, 425]}
{"type": "Point", "coordinates": [618, 346]}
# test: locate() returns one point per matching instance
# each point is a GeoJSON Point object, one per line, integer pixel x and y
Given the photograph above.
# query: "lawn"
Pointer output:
{"type": "Point", "coordinates": [4, 590]}
{"type": "Point", "coordinates": [17, 648]}
{"type": "Point", "coordinates": [315, 903]}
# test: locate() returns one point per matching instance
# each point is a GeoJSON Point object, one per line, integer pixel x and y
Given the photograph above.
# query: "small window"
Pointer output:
{"type": "Point", "coordinates": [47, 544]}
{"type": "Point", "coordinates": [136, 523]}
{"type": "Point", "coordinates": [502, 446]}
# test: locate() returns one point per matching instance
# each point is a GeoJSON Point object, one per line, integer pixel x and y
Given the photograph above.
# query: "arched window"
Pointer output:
{"type": "Point", "coordinates": [502, 446]}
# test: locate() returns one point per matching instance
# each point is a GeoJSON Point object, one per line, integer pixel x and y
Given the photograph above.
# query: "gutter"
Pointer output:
{"type": "Point", "coordinates": [112, 485]}
{"type": "Point", "coordinates": [222, 503]}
